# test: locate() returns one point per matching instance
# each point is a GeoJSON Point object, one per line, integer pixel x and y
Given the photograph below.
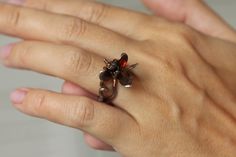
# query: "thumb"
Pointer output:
{"type": "Point", "coordinates": [194, 13]}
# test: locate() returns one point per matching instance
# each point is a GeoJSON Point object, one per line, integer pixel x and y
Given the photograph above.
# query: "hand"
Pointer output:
{"type": "Point", "coordinates": [194, 13]}
{"type": "Point", "coordinates": [191, 13]}
{"type": "Point", "coordinates": [179, 55]}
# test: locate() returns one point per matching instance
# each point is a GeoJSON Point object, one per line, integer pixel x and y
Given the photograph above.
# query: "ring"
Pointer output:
{"type": "Point", "coordinates": [114, 71]}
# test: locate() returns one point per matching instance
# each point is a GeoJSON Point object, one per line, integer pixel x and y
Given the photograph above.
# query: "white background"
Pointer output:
{"type": "Point", "coordinates": [23, 136]}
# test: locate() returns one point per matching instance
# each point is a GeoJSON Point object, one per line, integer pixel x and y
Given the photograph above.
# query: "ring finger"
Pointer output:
{"type": "Point", "coordinates": [66, 62]}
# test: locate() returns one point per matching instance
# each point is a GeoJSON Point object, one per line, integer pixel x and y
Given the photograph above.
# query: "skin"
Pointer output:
{"type": "Point", "coordinates": [186, 106]}
{"type": "Point", "coordinates": [191, 13]}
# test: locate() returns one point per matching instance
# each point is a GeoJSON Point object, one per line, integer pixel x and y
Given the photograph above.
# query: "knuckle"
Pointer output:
{"type": "Point", "coordinates": [167, 65]}
{"type": "Point", "coordinates": [184, 34]}
{"type": "Point", "coordinates": [175, 33]}
{"type": "Point", "coordinates": [164, 65]}
{"type": "Point", "coordinates": [37, 101]}
{"type": "Point", "coordinates": [21, 53]}
{"type": "Point", "coordinates": [80, 62]}
{"type": "Point", "coordinates": [73, 29]}
{"type": "Point", "coordinates": [14, 18]}
{"type": "Point", "coordinates": [161, 60]}
{"type": "Point", "coordinates": [82, 113]}
{"type": "Point", "coordinates": [97, 12]}
{"type": "Point", "coordinates": [180, 36]}
{"type": "Point", "coordinates": [186, 39]}
{"type": "Point", "coordinates": [41, 102]}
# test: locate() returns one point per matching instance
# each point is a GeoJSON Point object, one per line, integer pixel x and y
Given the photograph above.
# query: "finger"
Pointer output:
{"type": "Point", "coordinates": [44, 26]}
{"type": "Point", "coordinates": [114, 18]}
{"type": "Point", "coordinates": [74, 89]}
{"type": "Point", "coordinates": [68, 63]}
{"type": "Point", "coordinates": [196, 14]}
{"type": "Point", "coordinates": [102, 121]}
{"type": "Point", "coordinates": [97, 144]}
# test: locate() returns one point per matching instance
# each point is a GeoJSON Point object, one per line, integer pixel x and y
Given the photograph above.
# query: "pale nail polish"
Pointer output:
{"type": "Point", "coordinates": [5, 51]}
{"type": "Point", "coordinates": [18, 96]}
{"type": "Point", "coordinates": [16, 2]}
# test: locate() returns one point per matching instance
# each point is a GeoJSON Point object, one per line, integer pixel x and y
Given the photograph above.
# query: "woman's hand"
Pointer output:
{"type": "Point", "coordinates": [180, 103]}
{"type": "Point", "coordinates": [194, 13]}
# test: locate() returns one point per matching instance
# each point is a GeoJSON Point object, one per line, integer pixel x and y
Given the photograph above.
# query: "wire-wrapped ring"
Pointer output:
{"type": "Point", "coordinates": [112, 72]}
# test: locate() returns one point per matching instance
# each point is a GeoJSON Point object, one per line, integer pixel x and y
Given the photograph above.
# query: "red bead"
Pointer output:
{"type": "Point", "coordinates": [123, 63]}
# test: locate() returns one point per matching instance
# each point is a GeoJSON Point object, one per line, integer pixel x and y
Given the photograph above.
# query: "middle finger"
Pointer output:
{"type": "Point", "coordinates": [123, 21]}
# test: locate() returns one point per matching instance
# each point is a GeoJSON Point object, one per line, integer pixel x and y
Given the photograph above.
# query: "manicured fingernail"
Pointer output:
{"type": "Point", "coordinates": [16, 2]}
{"type": "Point", "coordinates": [18, 96]}
{"type": "Point", "coordinates": [5, 51]}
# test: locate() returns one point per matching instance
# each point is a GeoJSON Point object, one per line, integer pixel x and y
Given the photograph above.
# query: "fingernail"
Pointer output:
{"type": "Point", "coordinates": [18, 96]}
{"type": "Point", "coordinates": [16, 2]}
{"type": "Point", "coordinates": [5, 51]}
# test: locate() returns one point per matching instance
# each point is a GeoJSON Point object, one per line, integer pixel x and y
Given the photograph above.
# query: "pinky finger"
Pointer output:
{"type": "Point", "coordinates": [73, 89]}
{"type": "Point", "coordinates": [102, 121]}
